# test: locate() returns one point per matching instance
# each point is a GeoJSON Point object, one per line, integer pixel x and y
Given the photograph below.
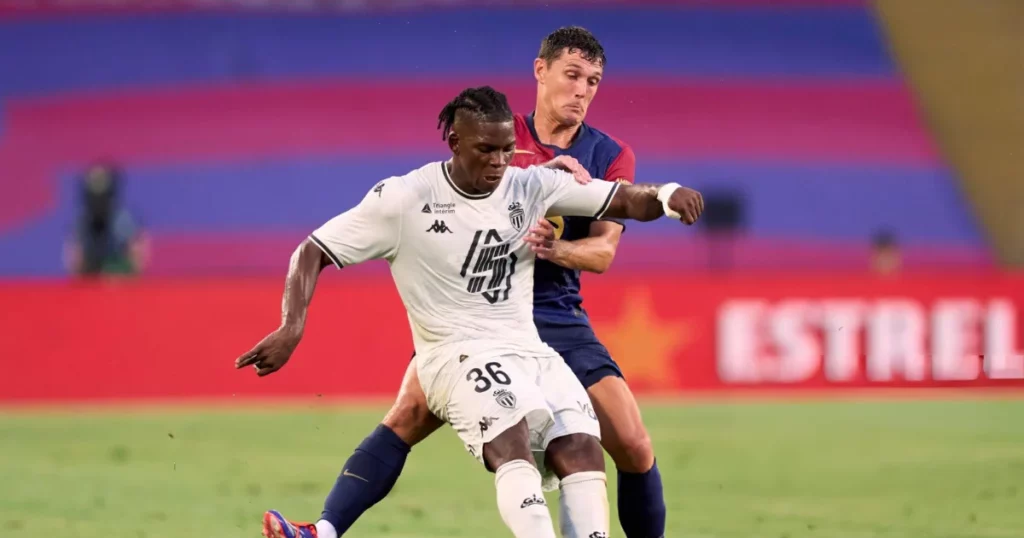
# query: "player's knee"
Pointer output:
{"type": "Point", "coordinates": [575, 453]}
{"type": "Point", "coordinates": [411, 420]}
{"type": "Point", "coordinates": [633, 452]}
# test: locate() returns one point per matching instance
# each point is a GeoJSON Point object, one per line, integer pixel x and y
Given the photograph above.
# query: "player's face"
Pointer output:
{"type": "Point", "coordinates": [482, 150]}
{"type": "Point", "coordinates": [567, 85]}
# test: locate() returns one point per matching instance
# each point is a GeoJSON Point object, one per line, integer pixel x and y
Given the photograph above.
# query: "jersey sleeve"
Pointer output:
{"type": "Point", "coordinates": [623, 168]}
{"type": "Point", "coordinates": [561, 195]}
{"type": "Point", "coordinates": [368, 231]}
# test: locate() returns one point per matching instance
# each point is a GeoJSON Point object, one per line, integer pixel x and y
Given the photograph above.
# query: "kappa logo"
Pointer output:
{"type": "Point", "coordinates": [505, 398]}
{"type": "Point", "coordinates": [439, 227]}
{"type": "Point", "coordinates": [598, 534]}
{"type": "Point", "coordinates": [516, 215]}
{"type": "Point", "coordinates": [486, 423]}
{"type": "Point", "coordinates": [534, 500]}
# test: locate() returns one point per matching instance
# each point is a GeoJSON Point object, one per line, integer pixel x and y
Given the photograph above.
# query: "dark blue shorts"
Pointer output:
{"type": "Point", "coordinates": [582, 351]}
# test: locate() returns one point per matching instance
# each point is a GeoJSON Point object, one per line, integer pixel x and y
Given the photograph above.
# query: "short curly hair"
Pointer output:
{"type": "Point", "coordinates": [575, 39]}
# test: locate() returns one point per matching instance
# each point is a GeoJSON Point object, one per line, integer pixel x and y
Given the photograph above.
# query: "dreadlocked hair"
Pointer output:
{"type": "Point", "coordinates": [486, 102]}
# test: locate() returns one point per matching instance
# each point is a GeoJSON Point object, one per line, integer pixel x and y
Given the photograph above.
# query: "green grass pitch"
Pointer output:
{"type": "Point", "coordinates": [896, 469]}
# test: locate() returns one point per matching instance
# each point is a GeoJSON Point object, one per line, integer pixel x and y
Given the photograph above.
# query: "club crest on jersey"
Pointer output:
{"type": "Point", "coordinates": [505, 398]}
{"type": "Point", "coordinates": [516, 215]}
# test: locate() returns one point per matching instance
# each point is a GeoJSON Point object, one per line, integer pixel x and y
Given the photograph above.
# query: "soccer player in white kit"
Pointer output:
{"type": "Point", "coordinates": [456, 236]}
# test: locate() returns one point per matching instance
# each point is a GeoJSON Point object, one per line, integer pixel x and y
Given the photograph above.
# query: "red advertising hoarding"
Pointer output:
{"type": "Point", "coordinates": [673, 335]}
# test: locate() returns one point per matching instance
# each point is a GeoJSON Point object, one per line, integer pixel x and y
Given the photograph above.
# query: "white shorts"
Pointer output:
{"type": "Point", "coordinates": [482, 397]}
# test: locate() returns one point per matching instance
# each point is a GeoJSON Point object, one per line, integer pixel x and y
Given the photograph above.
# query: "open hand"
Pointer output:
{"type": "Point", "coordinates": [688, 203]}
{"type": "Point", "coordinates": [272, 352]}
{"type": "Point", "coordinates": [542, 239]}
{"type": "Point", "coordinates": [571, 165]}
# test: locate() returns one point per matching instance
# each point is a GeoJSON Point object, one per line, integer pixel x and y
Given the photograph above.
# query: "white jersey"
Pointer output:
{"type": "Point", "coordinates": [459, 260]}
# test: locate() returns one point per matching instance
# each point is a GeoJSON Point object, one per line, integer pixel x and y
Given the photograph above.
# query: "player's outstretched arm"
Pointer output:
{"type": "Point", "coordinates": [273, 352]}
{"type": "Point", "coordinates": [647, 202]}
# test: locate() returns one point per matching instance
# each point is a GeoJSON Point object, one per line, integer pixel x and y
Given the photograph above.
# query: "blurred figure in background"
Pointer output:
{"type": "Point", "coordinates": [885, 253]}
{"type": "Point", "coordinates": [106, 239]}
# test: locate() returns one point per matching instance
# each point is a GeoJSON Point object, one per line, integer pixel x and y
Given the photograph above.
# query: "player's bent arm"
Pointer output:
{"type": "Point", "coordinates": [368, 231]}
{"type": "Point", "coordinates": [560, 195]}
{"type": "Point", "coordinates": [593, 253]}
{"type": "Point", "coordinates": [647, 202]}
{"type": "Point", "coordinates": [304, 268]}
{"type": "Point", "coordinates": [365, 232]}
{"type": "Point", "coordinates": [273, 351]}
{"type": "Point", "coordinates": [635, 202]}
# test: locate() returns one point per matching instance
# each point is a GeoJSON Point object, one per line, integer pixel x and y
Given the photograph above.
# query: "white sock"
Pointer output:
{"type": "Point", "coordinates": [324, 529]}
{"type": "Point", "coordinates": [521, 501]}
{"type": "Point", "coordinates": [583, 505]}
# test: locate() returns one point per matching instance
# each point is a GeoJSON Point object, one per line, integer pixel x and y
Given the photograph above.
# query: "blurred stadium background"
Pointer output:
{"type": "Point", "coordinates": [863, 167]}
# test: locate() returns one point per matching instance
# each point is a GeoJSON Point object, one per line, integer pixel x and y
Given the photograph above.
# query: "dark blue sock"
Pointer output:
{"type": "Point", "coordinates": [642, 504]}
{"type": "Point", "coordinates": [367, 477]}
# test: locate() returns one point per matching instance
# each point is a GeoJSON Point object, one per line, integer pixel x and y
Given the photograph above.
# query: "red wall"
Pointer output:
{"type": "Point", "coordinates": [672, 334]}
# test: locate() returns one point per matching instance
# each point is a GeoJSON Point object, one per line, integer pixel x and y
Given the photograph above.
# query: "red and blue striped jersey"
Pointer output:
{"type": "Point", "coordinates": [556, 289]}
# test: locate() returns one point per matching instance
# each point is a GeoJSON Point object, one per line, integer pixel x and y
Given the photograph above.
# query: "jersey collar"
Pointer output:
{"type": "Point", "coordinates": [555, 149]}
{"type": "Point", "coordinates": [464, 194]}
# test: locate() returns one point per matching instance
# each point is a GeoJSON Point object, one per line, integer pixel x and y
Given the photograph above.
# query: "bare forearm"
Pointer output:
{"type": "Point", "coordinates": [303, 271]}
{"type": "Point", "coordinates": [636, 202]}
{"type": "Point", "coordinates": [591, 254]}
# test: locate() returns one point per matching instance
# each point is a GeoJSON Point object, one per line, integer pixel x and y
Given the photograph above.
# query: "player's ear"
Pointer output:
{"type": "Point", "coordinates": [539, 66]}
{"type": "Point", "coordinates": [453, 142]}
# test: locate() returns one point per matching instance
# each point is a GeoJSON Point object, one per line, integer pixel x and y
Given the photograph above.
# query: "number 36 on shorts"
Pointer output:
{"type": "Point", "coordinates": [490, 375]}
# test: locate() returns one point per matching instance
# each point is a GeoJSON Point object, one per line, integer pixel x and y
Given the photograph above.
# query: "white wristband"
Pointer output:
{"type": "Point", "coordinates": [664, 193]}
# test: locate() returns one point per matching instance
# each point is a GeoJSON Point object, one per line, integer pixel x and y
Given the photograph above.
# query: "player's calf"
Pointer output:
{"type": "Point", "coordinates": [367, 477]}
{"type": "Point", "coordinates": [374, 467]}
{"type": "Point", "coordinates": [642, 511]}
{"type": "Point", "coordinates": [518, 483]}
{"type": "Point", "coordinates": [578, 461]}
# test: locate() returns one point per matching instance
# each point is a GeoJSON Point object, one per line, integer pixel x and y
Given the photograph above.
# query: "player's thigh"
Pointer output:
{"type": "Point", "coordinates": [574, 453]}
{"type": "Point", "coordinates": [410, 417]}
{"type": "Point", "coordinates": [568, 400]}
{"type": "Point", "coordinates": [623, 433]}
{"type": "Point", "coordinates": [572, 444]}
{"type": "Point", "coordinates": [509, 445]}
{"type": "Point", "coordinates": [493, 395]}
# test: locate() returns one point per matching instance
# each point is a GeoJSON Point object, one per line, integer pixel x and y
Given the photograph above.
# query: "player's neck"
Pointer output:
{"type": "Point", "coordinates": [458, 177]}
{"type": "Point", "coordinates": [551, 132]}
